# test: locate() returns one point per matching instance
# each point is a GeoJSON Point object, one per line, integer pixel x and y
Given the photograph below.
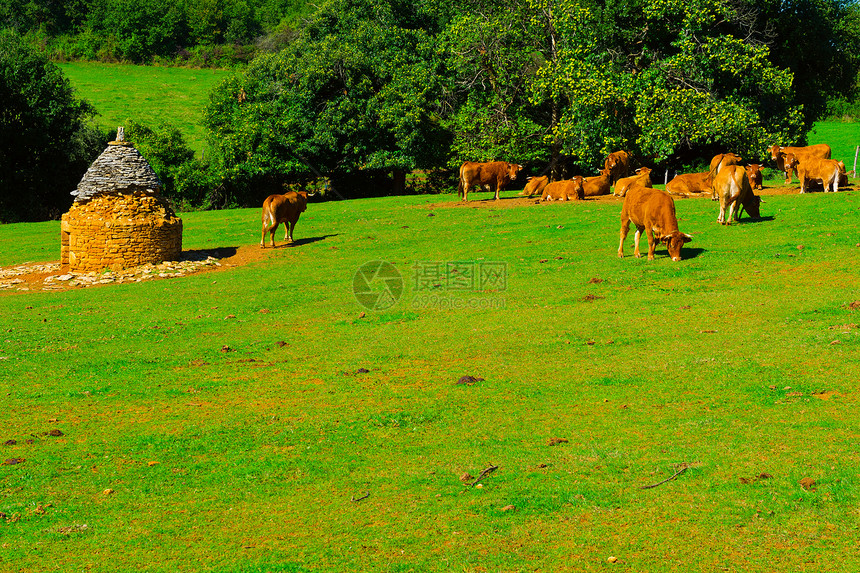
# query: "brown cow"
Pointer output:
{"type": "Point", "coordinates": [618, 164]}
{"type": "Point", "coordinates": [653, 211]}
{"type": "Point", "coordinates": [495, 174]}
{"type": "Point", "coordinates": [284, 209]}
{"type": "Point", "coordinates": [843, 175]}
{"type": "Point", "coordinates": [599, 185]}
{"type": "Point", "coordinates": [755, 175]}
{"type": "Point", "coordinates": [690, 183]}
{"type": "Point", "coordinates": [825, 170]}
{"type": "Point", "coordinates": [535, 185]}
{"type": "Point", "coordinates": [642, 177]}
{"type": "Point", "coordinates": [777, 153]}
{"type": "Point", "coordinates": [567, 190]}
{"type": "Point", "coordinates": [732, 187]}
{"type": "Point", "coordinates": [719, 162]}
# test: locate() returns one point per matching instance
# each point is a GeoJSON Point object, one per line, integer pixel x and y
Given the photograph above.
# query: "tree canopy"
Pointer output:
{"type": "Point", "coordinates": [45, 144]}
{"type": "Point", "coordinates": [387, 86]}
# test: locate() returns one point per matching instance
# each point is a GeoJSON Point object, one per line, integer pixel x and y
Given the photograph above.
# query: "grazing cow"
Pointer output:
{"type": "Point", "coordinates": [755, 175]}
{"type": "Point", "coordinates": [825, 170]}
{"type": "Point", "coordinates": [599, 185]}
{"type": "Point", "coordinates": [618, 164]}
{"type": "Point", "coordinates": [732, 187]}
{"type": "Point", "coordinates": [720, 162]}
{"type": "Point", "coordinates": [690, 183]}
{"type": "Point", "coordinates": [535, 185]}
{"type": "Point", "coordinates": [642, 177]}
{"type": "Point", "coordinates": [567, 190]}
{"type": "Point", "coordinates": [777, 153]}
{"type": "Point", "coordinates": [653, 211]}
{"type": "Point", "coordinates": [496, 175]}
{"type": "Point", "coordinates": [284, 209]}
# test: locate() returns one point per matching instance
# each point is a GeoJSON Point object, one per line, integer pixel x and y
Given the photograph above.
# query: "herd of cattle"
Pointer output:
{"type": "Point", "coordinates": [649, 209]}
{"type": "Point", "coordinates": [652, 210]}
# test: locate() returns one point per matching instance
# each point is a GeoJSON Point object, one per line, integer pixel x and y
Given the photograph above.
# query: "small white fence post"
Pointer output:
{"type": "Point", "coordinates": [856, 151]}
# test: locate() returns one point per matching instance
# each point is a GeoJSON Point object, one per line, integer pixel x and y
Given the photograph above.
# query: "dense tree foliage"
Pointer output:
{"type": "Point", "coordinates": [369, 87]}
{"type": "Point", "coordinates": [352, 96]}
{"type": "Point", "coordinates": [360, 92]}
{"type": "Point", "coordinates": [45, 144]}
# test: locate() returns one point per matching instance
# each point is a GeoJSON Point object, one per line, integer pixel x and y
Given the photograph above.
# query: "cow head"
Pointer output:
{"type": "Point", "coordinates": [674, 242]}
{"type": "Point", "coordinates": [514, 170]}
{"type": "Point", "coordinates": [775, 150]}
{"type": "Point", "coordinates": [789, 160]}
{"type": "Point", "coordinates": [578, 188]}
{"type": "Point", "coordinates": [753, 206]}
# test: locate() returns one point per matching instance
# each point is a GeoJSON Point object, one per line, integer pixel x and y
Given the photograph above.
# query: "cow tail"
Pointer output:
{"type": "Point", "coordinates": [460, 183]}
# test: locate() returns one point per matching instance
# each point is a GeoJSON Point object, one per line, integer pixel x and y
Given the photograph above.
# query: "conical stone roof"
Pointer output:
{"type": "Point", "coordinates": [120, 167]}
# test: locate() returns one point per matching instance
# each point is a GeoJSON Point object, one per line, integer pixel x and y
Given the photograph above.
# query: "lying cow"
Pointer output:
{"type": "Point", "coordinates": [755, 175]}
{"type": "Point", "coordinates": [496, 175]}
{"type": "Point", "coordinates": [535, 185]}
{"type": "Point", "coordinates": [825, 170]}
{"type": "Point", "coordinates": [690, 183]}
{"type": "Point", "coordinates": [284, 209]}
{"type": "Point", "coordinates": [618, 165]}
{"type": "Point", "coordinates": [653, 211]}
{"type": "Point", "coordinates": [732, 187]}
{"type": "Point", "coordinates": [778, 154]}
{"type": "Point", "coordinates": [567, 190]}
{"type": "Point", "coordinates": [642, 177]}
{"type": "Point", "coordinates": [599, 185]}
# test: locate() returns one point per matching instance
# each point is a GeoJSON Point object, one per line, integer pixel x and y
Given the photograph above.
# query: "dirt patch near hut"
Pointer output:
{"type": "Point", "coordinates": [42, 277]}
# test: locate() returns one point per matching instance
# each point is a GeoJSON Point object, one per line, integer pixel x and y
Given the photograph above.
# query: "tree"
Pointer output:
{"type": "Point", "coordinates": [352, 98]}
{"type": "Point", "coordinates": [45, 143]}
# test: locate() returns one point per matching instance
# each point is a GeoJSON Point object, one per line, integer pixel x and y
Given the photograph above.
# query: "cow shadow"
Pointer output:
{"type": "Point", "coordinates": [691, 252]}
{"type": "Point", "coordinates": [304, 241]}
{"type": "Point", "coordinates": [752, 221]}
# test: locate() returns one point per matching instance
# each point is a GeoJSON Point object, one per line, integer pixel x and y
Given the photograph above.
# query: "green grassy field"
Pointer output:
{"type": "Point", "coordinates": [843, 139]}
{"type": "Point", "coordinates": [234, 420]}
{"type": "Point", "coordinates": [147, 95]}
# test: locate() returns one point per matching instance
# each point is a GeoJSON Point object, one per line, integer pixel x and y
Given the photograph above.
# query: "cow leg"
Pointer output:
{"type": "Point", "coordinates": [625, 227]}
{"type": "Point", "coordinates": [636, 252]}
{"type": "Point", "coordinates": [652, 244]}
{"type": "Point", "coordinates": [731, 213]}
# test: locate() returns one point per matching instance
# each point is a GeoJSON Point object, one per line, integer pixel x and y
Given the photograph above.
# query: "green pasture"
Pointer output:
{"type": "Point", "coordinates": [258, 418]}
{"type": "Point", "coordinates": [148, 95]}
{"type": "Point", "coordinates": [843, 138]}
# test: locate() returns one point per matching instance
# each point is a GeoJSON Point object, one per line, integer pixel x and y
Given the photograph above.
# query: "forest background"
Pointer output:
{"type": "Point", "coordinates": [360, 94]}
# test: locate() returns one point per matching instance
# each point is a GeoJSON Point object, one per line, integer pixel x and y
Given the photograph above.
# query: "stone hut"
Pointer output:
{"type": "Point", "coordinates": [119, 219]}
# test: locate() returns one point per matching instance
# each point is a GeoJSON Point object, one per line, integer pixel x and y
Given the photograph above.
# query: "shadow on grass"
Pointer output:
{"type": "Point", "coordinates": [750, 220]}
{"type": "Point", "coordinates": [203, 254]}
{"type": "Point", "coordinates": [691, 252]}
{"type": "Point", "coordinates": [304, 241]}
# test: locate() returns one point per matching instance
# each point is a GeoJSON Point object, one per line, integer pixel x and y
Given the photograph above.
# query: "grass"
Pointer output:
{"type": "Point", "coordinates": [147, 95]}
{"type": "Point", "coordinates": [740, 361]}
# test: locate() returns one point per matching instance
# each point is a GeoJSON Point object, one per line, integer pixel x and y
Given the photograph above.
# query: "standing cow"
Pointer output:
{"type": "Point", "coordinates": [825, 170]}
{"type": "Point", "coordinates": [778, 154]}
{"type": "Point", "coordinates": [618, 165]}
{"type": "Point", "coordinates": [496, 175]}
{"type": "Point", "coordinates": [284, 209]}
{"type": "Point", "coordinates": [732, 187]}
{"type": "Point", "coordinates": [653, 211]}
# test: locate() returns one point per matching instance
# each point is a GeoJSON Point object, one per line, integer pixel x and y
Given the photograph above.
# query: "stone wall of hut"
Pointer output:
{"type": "Point", "coordinates": [119, 230]}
